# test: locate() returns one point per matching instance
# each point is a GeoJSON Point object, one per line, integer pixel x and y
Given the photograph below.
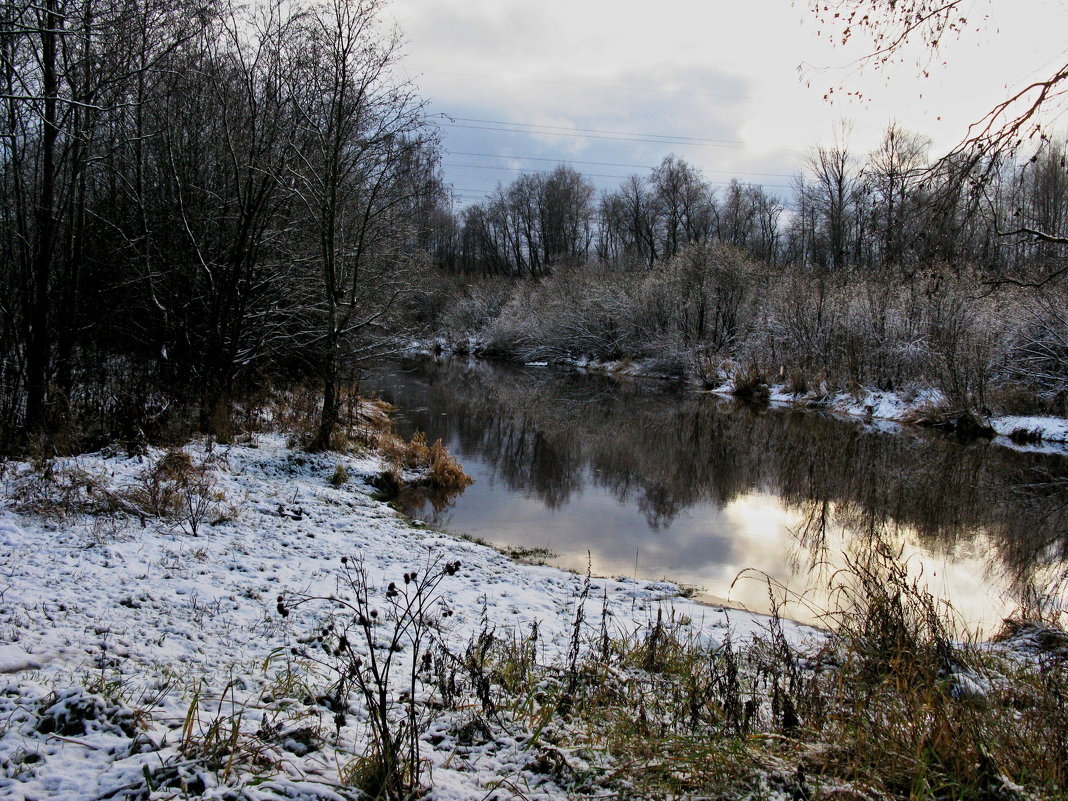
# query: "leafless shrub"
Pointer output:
{"type": "Point", "coordinates": [371, 635]}
{"type": "Point", "coordinates": [751, 385]}
{"type": "Point", "coordinates": [177, 488]}
{"type": "Point", "coordinates": [1038, 355]}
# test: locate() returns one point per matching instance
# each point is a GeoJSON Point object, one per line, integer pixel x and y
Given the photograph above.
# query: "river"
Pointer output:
{"type": "Point", "coordinates": [653, 480]}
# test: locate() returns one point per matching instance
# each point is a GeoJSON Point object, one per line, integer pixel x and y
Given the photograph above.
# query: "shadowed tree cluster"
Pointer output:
{"type": "Point", "coordinates": [194, 197]}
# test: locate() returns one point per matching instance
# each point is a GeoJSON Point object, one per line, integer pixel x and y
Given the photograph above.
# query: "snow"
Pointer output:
{"type": "Point", "coordinates": [13, 659]}
{"type": "Point", "coordinates": [1050, 429]}
{"type": "Point", "coordinates": [121, 634]}
{"type": "Point", "coordinates": [880, 408]}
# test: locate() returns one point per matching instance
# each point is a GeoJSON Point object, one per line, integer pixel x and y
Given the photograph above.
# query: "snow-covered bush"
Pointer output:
{"type": "Point", "coordinates": [1038, 356]}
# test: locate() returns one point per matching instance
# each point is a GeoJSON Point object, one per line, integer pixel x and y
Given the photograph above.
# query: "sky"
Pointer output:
{"type": "Point", "coordinates": [735, 88]}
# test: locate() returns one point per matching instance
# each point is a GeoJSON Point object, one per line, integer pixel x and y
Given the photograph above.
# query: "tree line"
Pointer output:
{"type": "Point", "coordinates": [891, 270]}
{"type": "Point", "coordinates": [894, 208]}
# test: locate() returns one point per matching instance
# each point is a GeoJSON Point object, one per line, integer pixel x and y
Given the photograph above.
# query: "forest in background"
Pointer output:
{"type": "Point", "coordinates": [200, 201]}
{"type": "Point", "coordinates": [887, 270]}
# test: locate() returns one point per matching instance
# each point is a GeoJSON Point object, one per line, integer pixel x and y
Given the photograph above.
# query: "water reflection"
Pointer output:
{"type": "Point", "coordinates": [656, 480]}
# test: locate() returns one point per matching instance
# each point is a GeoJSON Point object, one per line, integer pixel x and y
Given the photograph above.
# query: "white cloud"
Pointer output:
{"type": "Point", "coordinates": [710, 70]}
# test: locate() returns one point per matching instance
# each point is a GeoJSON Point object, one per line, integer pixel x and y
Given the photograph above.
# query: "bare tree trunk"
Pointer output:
{"type": "Point", "coordinates": [39, 339]}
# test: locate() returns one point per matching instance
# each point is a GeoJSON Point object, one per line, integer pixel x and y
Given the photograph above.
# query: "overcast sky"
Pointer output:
{"type": "Point", "coordinates": [714, 82]}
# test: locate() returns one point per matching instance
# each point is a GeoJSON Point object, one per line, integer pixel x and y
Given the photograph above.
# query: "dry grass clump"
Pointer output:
{"type": "Point", "coordinates": [948, 418]}
{"type": "Point", "coordinates": [339, 477]}
{"type": "Point", "coordinates": [438, 469]}
{"type": "Point", "coordinates": [177, 488]}
{"type": "Point", "coordinates": [402, 454]}
{"type": "Point", "coordinates": [60, 493]}
{"type": "Point", "coordinates": [797, 382]}
{"type": "Point", "coordinates": [751, 386]}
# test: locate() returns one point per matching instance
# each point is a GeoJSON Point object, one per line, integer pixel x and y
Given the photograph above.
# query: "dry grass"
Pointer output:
{"type": "Point", "coordinates": [60, 493]}
{"type": "Point", "coordinates": [339, 477]}
{"type": "Point", "coordinates": [295, 410]}
{"type": "Point", "coordinates": [948, 418]}
{"type": "Point", "coordinates": [438, 469]}
{"type": "Point", "coordinates": [897, 703]}
{"type": "Point", "coordinates": [751, 386]}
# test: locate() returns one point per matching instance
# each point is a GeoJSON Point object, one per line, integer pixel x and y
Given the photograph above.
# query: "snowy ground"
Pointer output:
{"type": "Point", "coordinates": [122, 640]}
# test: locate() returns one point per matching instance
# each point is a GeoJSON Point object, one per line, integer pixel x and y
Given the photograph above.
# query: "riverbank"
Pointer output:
{"type": "Point", "coordinates": [153, 644]}
{"type": "Point", "coordinates": [247, 622]}
{"type": "Point", "coordinates": [914, 406]}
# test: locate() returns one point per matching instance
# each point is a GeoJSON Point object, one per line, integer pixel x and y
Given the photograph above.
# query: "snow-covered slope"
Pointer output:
{"type": "Point", "coordinates": [122, 639]}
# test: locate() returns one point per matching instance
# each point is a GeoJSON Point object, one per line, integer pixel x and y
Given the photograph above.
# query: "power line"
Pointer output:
{"type": "Point", "coordinates": [610, 164]}
{"type": "Point", "coordinates": [587, 136]}
{"type": "Point", "coordinates": [523, 169]}
{"type": "Point", "coordinates": [584, 175]}
{"type": "Point", "coordinates": [595, 130]}
{"type": "Point", "coordinates": [555, 161]}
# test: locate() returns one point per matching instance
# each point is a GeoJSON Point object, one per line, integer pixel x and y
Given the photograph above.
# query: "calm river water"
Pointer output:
{"type": "Point", "coordinates": [647, 479]}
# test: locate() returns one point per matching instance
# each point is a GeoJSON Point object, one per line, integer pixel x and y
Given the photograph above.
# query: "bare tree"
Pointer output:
{"type": "Point", "coordinates": [352, 169]}
{"type": "Point", "coordinates": [685, 205]}
{"type": "Point", "coordinates": [893, 172]}
{"type": "Point", "coordinates": [891, 26]}
{"type": "Point", "coordinates": [566, 215]}
{"type": "Point", "coordinates": [834, 189]}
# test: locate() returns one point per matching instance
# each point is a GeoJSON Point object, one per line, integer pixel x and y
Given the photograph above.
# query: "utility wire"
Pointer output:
{"type": "Point", "coordinates": [610, 164]}
{"type": "Point", "coordinates": [588, 136]}
{"type": "Point", "coordinates": [524, 169]}
{"type": "Point", "coordinates": [691, 92]}
{"type": "Point", "coordinates": [587, 175]}
{"type": "Point", "coordinates": [593, 130]}
{"type": "Point", "coordinates": [584, 174]}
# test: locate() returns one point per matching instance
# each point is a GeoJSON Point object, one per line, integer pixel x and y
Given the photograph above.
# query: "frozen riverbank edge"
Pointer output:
{"type": "Point", "coordinates": [123, 621]}
{"type": "Point", "coordinates": [892, 411]}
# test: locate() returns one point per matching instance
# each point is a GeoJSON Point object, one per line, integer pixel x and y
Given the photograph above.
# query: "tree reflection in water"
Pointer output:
{"type": "Point", "coordinates": [683, 460]}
